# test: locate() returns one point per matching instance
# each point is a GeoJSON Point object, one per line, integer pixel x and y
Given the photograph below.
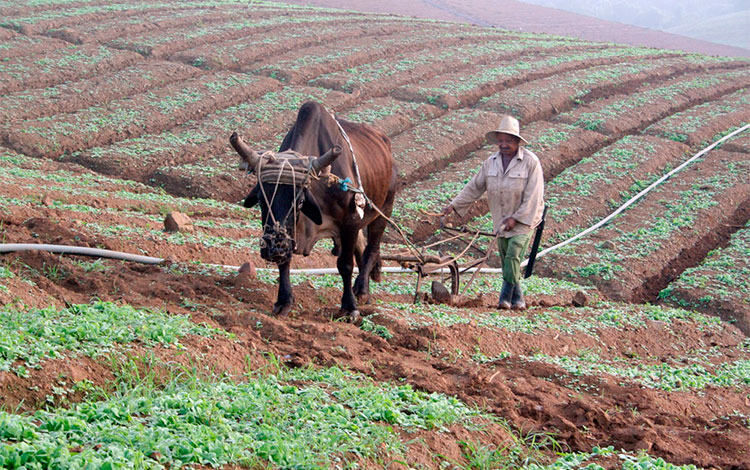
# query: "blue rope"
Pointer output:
{"type": "Point", "coordinates": [344, 184]}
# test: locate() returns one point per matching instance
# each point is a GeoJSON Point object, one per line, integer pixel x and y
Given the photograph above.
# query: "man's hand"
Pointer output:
{"type": "Point", "coordinates": [508, 224]}
{"type": "Point", "coordinates": [445, 213]}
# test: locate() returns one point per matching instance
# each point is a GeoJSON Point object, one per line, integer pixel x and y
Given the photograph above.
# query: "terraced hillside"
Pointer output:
{"type": "Point", "coordinates": [634, 353]}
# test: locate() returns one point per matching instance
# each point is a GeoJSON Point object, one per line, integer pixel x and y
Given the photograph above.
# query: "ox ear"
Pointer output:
{"type": "Point", "coordinates": [311, 209]}
{"type": "Point", "coordinates": [252, 198]}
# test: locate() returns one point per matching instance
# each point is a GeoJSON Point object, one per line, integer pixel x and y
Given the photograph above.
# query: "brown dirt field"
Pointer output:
{"type": "Point", "coordinates": [430, 90]}
{"type": "Point", "coordinates": [661, 154]}
{"type": "Point", "coordinates": [69, 97]}
{"type": "Point", "coordinates": [146, 113]}
{"type": "Point", "coordinates": [24, 45]}
{"type": "Point", "coordinates": [532, 395]}
{"type": "Point", "coordinates": [559, 152]}
{"type": "Point", "coordinates": [34, 75]}
{"type": "Point", "coordinates": [388, 120]}
{"type": "Point", "coordinates": [653, 106]}
{"type": "Point", "coordinates": [409, 68]}
{"type": "Point", "coordinates": [519, 16]}
{"type": "Point", "coordinates": [162, 45]}
{"type": "Point", "coordinates": [6, 34]}
{"type": "Point", "coordinates": [700, 125]}
{"type": "Point", "coordinates": [137, 23]}
{"type": "Point", "coordinates": [541, 99]}
{"type": "Point", "coordinates": [296, 67]}
{"type": "Point", "coordinates": [451, 136]}
{"type": "Point", "coordinates": [641, 279]}
{"type": "Point", "coordinates": [185, 153]}
{"type": "Point", "coordinates": [246, 52]}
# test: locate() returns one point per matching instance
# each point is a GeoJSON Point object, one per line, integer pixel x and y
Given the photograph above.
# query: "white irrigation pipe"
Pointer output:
{"type": "Point", "coordinates": [80, 250]}
{"type": "Point", "coordinates": [632, 200]}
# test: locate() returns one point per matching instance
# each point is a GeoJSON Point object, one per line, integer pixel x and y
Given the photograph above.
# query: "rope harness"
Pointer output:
{"type": "Point", "coordinates": [288, 168]}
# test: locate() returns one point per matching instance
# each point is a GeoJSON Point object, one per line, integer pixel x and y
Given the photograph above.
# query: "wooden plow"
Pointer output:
{"type": "Point", "coordinates": [425, 264]}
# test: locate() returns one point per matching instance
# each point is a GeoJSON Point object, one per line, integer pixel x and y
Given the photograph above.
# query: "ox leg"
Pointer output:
{"type": "Point", "coordinates": [345, 265]}
{"type": "Point", "coordinates": [370, 266]}
{"type": "Point", "coordinates": [285, 299]}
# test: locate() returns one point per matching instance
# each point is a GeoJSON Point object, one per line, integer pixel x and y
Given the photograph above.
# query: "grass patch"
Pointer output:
{"type": "Point", "coordinates": [31, 336]}
{"type": "Point", "coordinates": [290, 419]}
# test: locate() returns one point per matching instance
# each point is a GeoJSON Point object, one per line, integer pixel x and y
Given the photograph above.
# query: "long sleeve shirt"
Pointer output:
{"type": "Point", "coordinates": [517, 191]}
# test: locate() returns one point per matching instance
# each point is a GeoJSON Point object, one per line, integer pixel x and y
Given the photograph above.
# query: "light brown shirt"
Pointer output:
{"type": "Point", "coordinates": [516, 192]}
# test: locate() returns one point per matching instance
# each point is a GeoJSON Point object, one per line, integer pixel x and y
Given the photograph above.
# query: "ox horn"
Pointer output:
{"type": "Point", "coordinates": [248, 155]}
{"type": "Point", "coordinates": [327, 158]}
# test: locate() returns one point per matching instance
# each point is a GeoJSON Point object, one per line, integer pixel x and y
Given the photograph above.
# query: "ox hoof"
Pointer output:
{"type": "Point", "coordinates": [349, 316]}
{"type": "Point", "coordinates": [354, 316]}
{"type": "Point", "coordinates": [363, 299]}
{"type": "Point", "coordinates": [282, 310]}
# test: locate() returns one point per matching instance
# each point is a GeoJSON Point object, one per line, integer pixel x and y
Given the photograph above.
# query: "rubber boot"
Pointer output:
{"type": "Point", "coordinates": [505, 296]}
{"type": "Point", "coordinates": [517, 301]}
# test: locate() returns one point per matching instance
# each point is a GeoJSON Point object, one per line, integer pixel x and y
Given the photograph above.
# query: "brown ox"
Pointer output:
{"type": "Point", "coordinates": [324, 210]}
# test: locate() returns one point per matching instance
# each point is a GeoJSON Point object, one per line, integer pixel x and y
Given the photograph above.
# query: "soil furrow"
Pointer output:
{"type": "Point", "coordinates": [151, 112]}
{"type": "Point", "coordinates": [61, 65]}
{"type": "Point", "coordinates": [632, 113]}
{"type": "Point", "coordinates": [672, 228]}
{"type": "Point", "coordinates": [455, 90]}
{"type": "Point", "coordinates": [541, 99]}
{"type": "Point", "coordinates": [300, 66]}
{"type": "Point", "coordinates": [247, 53]}
{"type": "Point", "coordinates": [720, 284]}
{"type": "Point", "coordinates": [78, 95]}
{"type": "Point", "coordinates": [286, 30]}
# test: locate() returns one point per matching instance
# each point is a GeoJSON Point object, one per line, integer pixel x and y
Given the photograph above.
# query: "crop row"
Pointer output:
{"type": "Point", "coordinates": [640, 250]}
{"type": "Point", "coordinates": [119, 193]}
{"type": "Point", "coordinates": [104, 30]}
{"type": "Point", "coordinates": [628, 113]}
{"type": "Point", "coordinates": [720, 284]}
{"type": "Point", "coordinates": [601, 333]}
{"type": "Point", "coordinates": [384, 75]}
{"type": "Point", "coordinates": [391, 116]}
{"type": "Point", "coordinates": [298, 66]}
{"type": "Point", "coordinates": [23, 45]}
{"type": "Point", "coordinates": [543, 98]}
{"type": "Point", "coordinates": [69, 97]}
{"type": "Point", "coordinates": [606, 179]}
{"type": "Point", "coordinates": [456, 89]}
{"type": "Point", "coordinates": [32, 21]}
{"type": "Point", "coordinates": [617, 172]}
{"type": "Point", "coordinates": [285, 27]}
{"type": "Point", "coordinates": [306, 418]}
{"type": "Point", "coordinates": [60, 65]}
{"type": "Point", "coordinates": [150, 112]}
{"type": "Point", "coordinates": [194, 143]}
{"type": "Point", "coordinates": [245, 52]}
{"type": "Point", "coordinates": [134, 213]}
{"type": "Point", "coordinates": [432, 144]}
{"type": "Point", "coordinates": [738, 143]}
{"type": "Point", "coordinates": [698, 125]}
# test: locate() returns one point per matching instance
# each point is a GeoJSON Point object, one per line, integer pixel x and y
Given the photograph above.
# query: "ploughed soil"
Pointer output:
{"type": "Point", "coordinates": [520, 16]}
{"type": "Point", "coordinates": [582, 411]}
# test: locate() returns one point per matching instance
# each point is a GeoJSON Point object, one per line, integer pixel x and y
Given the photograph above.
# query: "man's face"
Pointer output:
{"type": "Point", "coordinates": [508, 144]}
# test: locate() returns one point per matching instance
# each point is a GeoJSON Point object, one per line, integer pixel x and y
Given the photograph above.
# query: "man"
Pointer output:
{"type": "Point", "coordinates": [513, 179]}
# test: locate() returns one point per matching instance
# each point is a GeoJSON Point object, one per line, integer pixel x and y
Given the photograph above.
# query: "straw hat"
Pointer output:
{"type": "Point", "coordinates": [508, 125]}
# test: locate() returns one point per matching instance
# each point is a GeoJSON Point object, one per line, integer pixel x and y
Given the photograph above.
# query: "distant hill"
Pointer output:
{"type": "Point", "coordinates": [734, 26]}
{"type": "Point", "coordinates": [516, 15]}
{"type": "Point", "coordinates": [721, 21]}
